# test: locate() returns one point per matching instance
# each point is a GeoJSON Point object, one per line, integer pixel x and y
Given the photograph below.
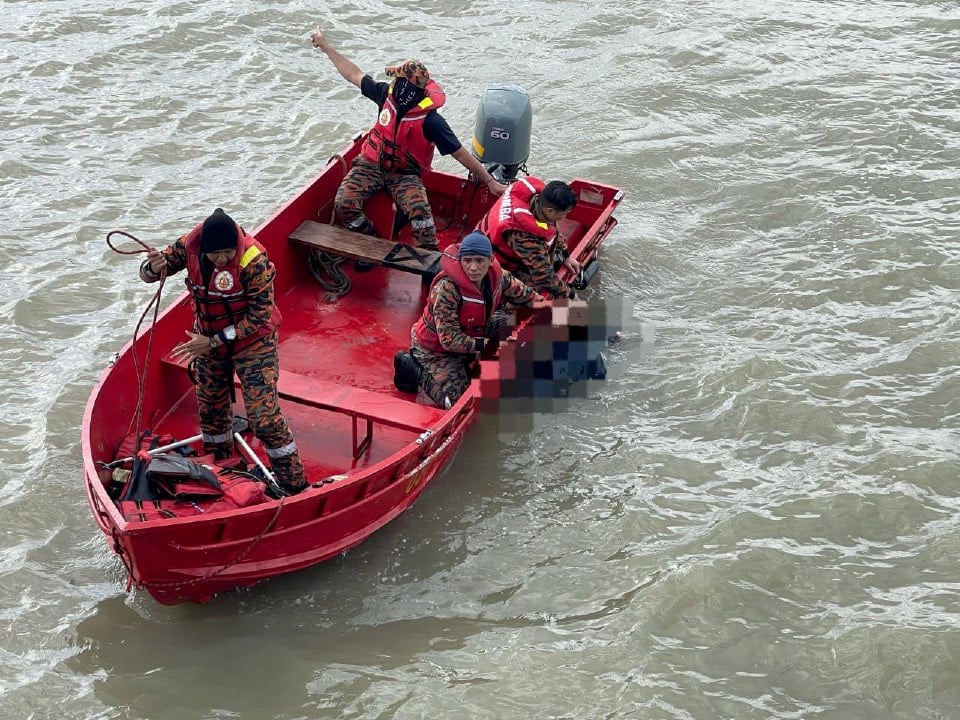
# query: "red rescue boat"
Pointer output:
{"type": "Point", "coordinates": [368, 449]}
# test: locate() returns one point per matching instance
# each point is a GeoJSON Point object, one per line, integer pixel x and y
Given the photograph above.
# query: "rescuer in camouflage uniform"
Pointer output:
{"type": "Point", "coordinates": [522, 226]}
{"type": "Point", "coordinates": [395, 154]}
{"type": "Point", "coordinates": [464, 308]}
{"type": "Point", "coordinates": [236, 323]}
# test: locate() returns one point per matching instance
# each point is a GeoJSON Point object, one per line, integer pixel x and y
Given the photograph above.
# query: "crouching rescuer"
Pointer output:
{"type": "Point", "coordinates": [236, 325]}
{"type": "Point", "coordinates": [464, 308]}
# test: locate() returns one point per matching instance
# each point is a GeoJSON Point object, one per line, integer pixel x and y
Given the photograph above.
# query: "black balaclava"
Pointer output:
{"type": "Point", "coordinates": [219, 232]}
{"type": "Point", "coordinates": [406, 94]}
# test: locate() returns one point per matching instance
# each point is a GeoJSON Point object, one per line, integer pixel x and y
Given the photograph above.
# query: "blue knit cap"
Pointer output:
{"type": "Point", "coordinates": [476, 243]}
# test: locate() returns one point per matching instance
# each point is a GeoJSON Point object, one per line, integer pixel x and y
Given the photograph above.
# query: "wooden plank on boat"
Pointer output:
{"type": "Point", "coordinates": [356, 246]}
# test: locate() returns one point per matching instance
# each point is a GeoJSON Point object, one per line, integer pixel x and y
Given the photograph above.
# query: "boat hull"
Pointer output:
{"type": "Point", "coordinates": [193, 559]}
{"type": "Point", "coordinates": [368, 449]}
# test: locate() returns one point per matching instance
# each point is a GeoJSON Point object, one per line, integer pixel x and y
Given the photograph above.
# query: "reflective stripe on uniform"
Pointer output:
{"type": "Point", "coordinates": [524, 211]}
{"type": "Point", "coordinates": [284, 451]}
{"type": "Point", "coordinates": [213, 439]}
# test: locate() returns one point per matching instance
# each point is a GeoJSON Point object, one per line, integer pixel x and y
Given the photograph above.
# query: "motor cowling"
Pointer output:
{"type": "Point", "coordinates": [501, 136]}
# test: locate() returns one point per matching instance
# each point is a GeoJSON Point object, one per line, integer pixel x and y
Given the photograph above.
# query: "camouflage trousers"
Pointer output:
{"type": "Point", "coordinates": [444, 379]}
{"type": "Point", "coordinates": [365, 179]}
{"type": "Point", "coordinates": [446, 376]}
{"type": "Point", "coordinates": [524, 275]}
{"type": "Point", "coordinates": [257, 367]}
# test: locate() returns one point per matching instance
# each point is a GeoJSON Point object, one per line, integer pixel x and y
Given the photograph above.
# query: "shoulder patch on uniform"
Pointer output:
{"type": "Point", "coordinates": [249, 254]}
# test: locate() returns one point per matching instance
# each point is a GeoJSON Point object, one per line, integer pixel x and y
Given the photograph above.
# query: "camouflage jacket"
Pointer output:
{"type": "Point", "coordinates": [538, 264]}
{"type": "Point", "coordinates": [445, 298]}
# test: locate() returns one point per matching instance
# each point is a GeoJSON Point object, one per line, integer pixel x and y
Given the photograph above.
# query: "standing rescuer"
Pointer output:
{"type": "Point", "coordinates": [399, 147]}
{"type": "Point", "coordinates": [236, 322]}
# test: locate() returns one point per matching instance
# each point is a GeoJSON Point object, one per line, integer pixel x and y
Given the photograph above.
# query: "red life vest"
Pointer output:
{"type": "Point", "coordinates": [401, 147]}
{"type": "Point", "coordinates": [223, 301]}
{"type": "Point", "coordinates": [473, 310]}
{"type": "Point", "coordinates": [237, 489]}
{"type": "Point", "coordinates": [511, 212]}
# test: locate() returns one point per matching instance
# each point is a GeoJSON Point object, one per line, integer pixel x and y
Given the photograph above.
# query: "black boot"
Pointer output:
{"type": "Point", "coordinates": [220, 451]}
{"type": "Point", "coordinates": [289, 475]}
{"type": "Point", "coordinates": [282, 489]}
{"type": "Point", "coordinates": [406, 372]}
{"type": "Point", "coordinates": [363, 226]}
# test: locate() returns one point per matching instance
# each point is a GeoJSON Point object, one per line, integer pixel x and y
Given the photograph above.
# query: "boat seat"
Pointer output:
{"type": "Point", "coordinates": [357, 403]}
{"type": "Point", "coordinates": [348, 400]}
{"type": "Point", "coordinates": [366, 248]}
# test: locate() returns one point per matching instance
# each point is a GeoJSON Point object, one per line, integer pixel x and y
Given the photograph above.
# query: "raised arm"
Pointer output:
{"type": "Point", "coordinates": [350, 72]}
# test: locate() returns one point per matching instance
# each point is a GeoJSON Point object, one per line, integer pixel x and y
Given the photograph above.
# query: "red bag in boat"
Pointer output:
{"type": "Point", "coordinates": [181, 478]}
{"type": "Point", "coordinates": [238, 489]}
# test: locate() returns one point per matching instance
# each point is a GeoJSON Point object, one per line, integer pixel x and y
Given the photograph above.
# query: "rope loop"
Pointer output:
{"type": "Point", "coordinates": [154, 305]}
{"type": "Point", "coordinates": [325, 269]}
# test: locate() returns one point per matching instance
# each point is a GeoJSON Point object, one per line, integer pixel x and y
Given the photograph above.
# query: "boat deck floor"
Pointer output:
{"type": "Point", "coordinates": [338, 356]}
{"type": "Point", "coordinates": [351, 341]}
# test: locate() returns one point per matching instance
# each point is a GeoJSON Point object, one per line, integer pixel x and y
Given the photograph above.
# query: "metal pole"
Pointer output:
{"type": "Point", "coordinates": [158, 450]}
{"type": "Point", "coordinates": [252, 456]}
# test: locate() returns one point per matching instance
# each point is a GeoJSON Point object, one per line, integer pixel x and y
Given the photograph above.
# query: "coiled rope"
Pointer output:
{"type": "Point", "coordinates": [154, 305]}
{"type": "Point", "coordinates": [325, 269]}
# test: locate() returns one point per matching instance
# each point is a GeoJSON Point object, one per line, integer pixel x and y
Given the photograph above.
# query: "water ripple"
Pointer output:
{"type": "Point", "coordinates": [755, 517]}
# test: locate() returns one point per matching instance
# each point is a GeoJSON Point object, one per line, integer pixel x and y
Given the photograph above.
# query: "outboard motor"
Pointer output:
{"type": "Point", "coordinates": [501, 137]}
